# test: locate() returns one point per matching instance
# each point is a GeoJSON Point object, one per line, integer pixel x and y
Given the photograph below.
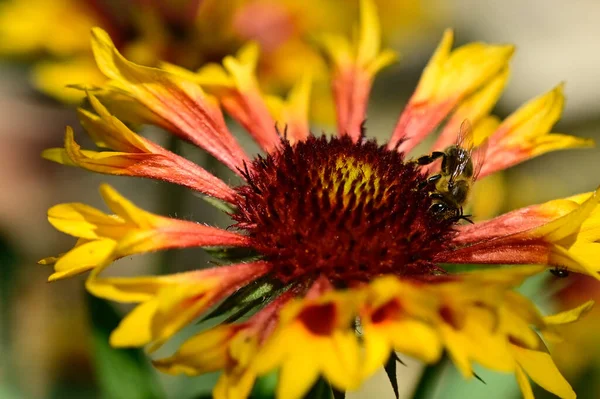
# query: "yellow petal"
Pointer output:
{"type": "Point", "coordinates": [177, 299]}
{"type": "Point", "coordinates": [131, 231]}
{"type": "Point", "coordinates": [242, 98]}
{"type": "Point", "coordinates": [83, 257]}
{"type": "Point", "coordinates": [80, 220]}
{"type": "Point", "coordinates": [451, 74]}
{"type": "Point", "coordinates": [569, 316]}
{"type": "Point", "coordinates": [128, 289]}
{"type": "Point", "coordinates": [524, 384]}
{"type": "Point", "coordinates": [485, 128]}
{"type": "Point", "coordinates": [212, 76]}
{"type": "Point", "coordinates": [354, 67]}
{"type": "Point", "coordinates": [456, 345]}
{"type": "Point", "coordinates": [449, 78]}
{"type": "Point", "coordinates": [162, 316]}
{"type": "Point", "coordinates": [108, 131]}
{"type": "Point", "coordinates": [136, 328]}
{"type": "Point", "coordinates": [369, 40]}
{"type": "Point", "coordinates": [294, 115]}
{"type": "Point", "coordinates": [50, 260]}
{"type": "Point", "coordinates": [188, 111]}
{"type": "Point", "coordinates": [55, 78]}
{"type": "Point", "coordinates": [534, 118]}
{"type": "Point", "coordinates": [58, 155]}
{"type": "Point", "coordinates": [179, 306]}
{"type": "Point", "coordinates": [526, 133]}
{"type": "Point", "coordinates": [418, 340]}
{"type": "Point", "coordinates": [146, 159]}
{"type": "Point", "coordinates": [556, 141]}
{"type": "Point", "coordinates": [488, 198]}
{"type": "Point", "coordinates": [126, 209]}
{"type": "Point", "coordinates": [377, 350]}
{"type": "Point", "coordinates": [234, 386]}
{"type": "Point", "coordinates": [540, 367]}
{"type": "Point", "coordinates": [110, 162]}
{"type": "Point", "coordinates": [202, 353]}
{"type": "Point", "coordinates": [475, 108]}
{"type": "Point", "coordinates": [564, 231]}
{"type": "Point", "coordinates": [296, 377]}
{"type": "Point", "coordinates": [242, 68]}
{"type": "Point", "coordinates": [341, 360]}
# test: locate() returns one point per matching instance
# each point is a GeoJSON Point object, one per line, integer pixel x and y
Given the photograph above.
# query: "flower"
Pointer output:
{"type": "Point", "coordinates": [347, 239]}
{"type": "Point", "coordinates": [579, 353]}
{"type": "Point", "coordinates": [186, 33]}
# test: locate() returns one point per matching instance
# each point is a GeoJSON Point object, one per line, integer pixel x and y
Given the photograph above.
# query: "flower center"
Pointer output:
{"type": "Point", "coordinates": [349, 211]}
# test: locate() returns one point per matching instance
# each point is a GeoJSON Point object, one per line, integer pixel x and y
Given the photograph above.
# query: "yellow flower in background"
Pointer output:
{"type": "Point", "coordinates": [580, 352]}
{"type": "Point", "coordinates": [53, 34]}
{"type": "Point", "coordinates": [347, 238]}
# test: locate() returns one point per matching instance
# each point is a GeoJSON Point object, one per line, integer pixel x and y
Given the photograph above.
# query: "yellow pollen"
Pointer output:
{"type": "Point", "coordinates": [355, 178]}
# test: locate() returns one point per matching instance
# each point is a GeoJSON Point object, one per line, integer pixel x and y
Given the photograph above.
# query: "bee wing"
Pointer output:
{"type": "Point", "coordinates": [465, 136]}
{"type": "Point", "coordinates": [479, 158]}
{"type": "Point", "coordinates": [465, 141]}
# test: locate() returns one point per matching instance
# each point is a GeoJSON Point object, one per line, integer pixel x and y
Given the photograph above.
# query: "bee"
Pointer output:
{"type": "Point", "coordinates": [460, 167]}
{"type": "Point", "coordinates": [560, 272]}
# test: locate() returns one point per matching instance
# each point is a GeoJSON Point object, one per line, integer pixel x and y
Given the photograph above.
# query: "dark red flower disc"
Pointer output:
{"type": "Point", "coordinates": [349, 211]}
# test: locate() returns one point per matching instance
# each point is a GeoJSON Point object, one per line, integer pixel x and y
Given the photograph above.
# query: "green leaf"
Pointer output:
{"type": "Point", "coordinates": [444, 381]}
{"type": "Point", "coordinates": [264, 387]}
{"type": "Point", "coordinates": [232, 254]}
{"type": "Point", "coordinates": [220, 205]}
{"type": "Point", "coordinates": [390, 371]}
{"type": "Point", "coordinates": [321, 390]}
{"type": "Point", "coordinates": [245, 299]}
{"type": "Point", "coordinates": [121, 373]}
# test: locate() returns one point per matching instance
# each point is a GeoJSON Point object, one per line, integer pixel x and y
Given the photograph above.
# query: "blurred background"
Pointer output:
{"type": "Point", "coordinates": [53, 338]}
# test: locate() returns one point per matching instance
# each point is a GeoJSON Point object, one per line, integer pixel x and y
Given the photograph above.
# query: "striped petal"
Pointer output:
{"type": "Point", "coordinates": [292, 113]}
{"type": "Point", "coordinates": [168, 303]}
{"type": "Point", "coordinates": [449, 78]}
{"type": "Point", "coordinates": [180, 104]}
{"type": "Point", "coordinates": [313, 338]}
{"type": "Point", "coordinates": [526, 134]}
{"type": "Point", "coordinates": [236, 87]}
{"type": "Point", "coordinates": [131, 230]}
{"type": "Point", "coordinates": [354, 66]}
{"type": "Point", "coordinates": [475, 109]}
{"type": "Point", "coordinates": [157, 163]}
{"type": "Point", "coordinates": [563, 233]}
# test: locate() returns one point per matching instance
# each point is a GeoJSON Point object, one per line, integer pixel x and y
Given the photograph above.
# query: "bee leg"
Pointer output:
{"type": "Point", "coordinates": [467, 218]}
{"type": "Point", "coordinates": [429, 180]}
{"type": "Point", "coordinates": [434, 178]}
{"type": "Point", "coordinates": [427, 159]}
{"type": "Point", "coordinates": [461, 216]}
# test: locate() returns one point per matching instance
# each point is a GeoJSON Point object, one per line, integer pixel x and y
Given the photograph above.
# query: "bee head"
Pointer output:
{"type": "Point", "coordinates": [442, 210]}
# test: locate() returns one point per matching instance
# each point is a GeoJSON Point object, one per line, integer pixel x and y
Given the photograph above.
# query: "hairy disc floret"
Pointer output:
{"type": "Point", "coordinates": [347, 210]}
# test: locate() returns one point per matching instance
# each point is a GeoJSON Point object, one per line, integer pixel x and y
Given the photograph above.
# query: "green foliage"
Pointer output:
{"type": "Point", "coordinates": [220, 205]}
{"type": "Point", "coordinates": [232, 254]}
{"type": "Point", "coordinates": [121, 373]}
{"type": "Point", "coordinates": [264, 387]}
{"type": "Point", "coordinates": [245, 299]}
{"type": "Point", "coordinates": [444, 381]}
{"type": "Point", "coordinates": [9, 261]}
{"type": "Point", "coordinates": [321, 390]}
